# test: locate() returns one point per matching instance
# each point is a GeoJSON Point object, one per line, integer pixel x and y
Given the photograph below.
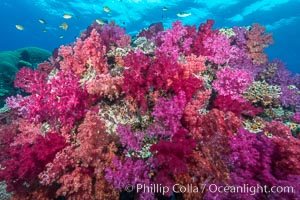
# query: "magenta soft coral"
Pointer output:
{"type": "Point", "coordinates": [214, 45]}
{"type": "Point", "coordinates": [168, 114]}
{"type": "Point", "coordinates": [129, 139]}
{"type": "Point", "coordinates": [135, 84]}
{"type": "Point", "coordinates": [30, 80]}
{"type": "Point", "coordinates": [61, 99]}
{"type": "Point", "coordinates": [257, 159]}
{"type": "Point", "coordinates": [26, 161]}
{"type": "Point", "coordinates": [128, 172]}
{"type": "Point", "coordinates": [204, 31]}
{"type": "Point", "coordinates": [250, 162]}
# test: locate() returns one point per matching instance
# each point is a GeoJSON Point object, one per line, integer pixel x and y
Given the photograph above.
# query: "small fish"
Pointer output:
{"type": "Point", "coordinates": [184, 14]}
{"type": "Point", "coordinates": [19, 27]}
{"type": "Point", "coordinates": [44, 30]}
{"type": "Point", "coordinates": [61, 36]}
{"type": "Point", "coordinates": [106, 9]}
{"type": "Point", "coordinates": [64, 26]}
{"type": "Point", "coordinates": [100, 21]}
{"type": "Point", "coordinates": [42, 21]}
{"type": "Point", "coordinates": [67, 16]}
{"type": "Point", "coordinates": [164, 8]}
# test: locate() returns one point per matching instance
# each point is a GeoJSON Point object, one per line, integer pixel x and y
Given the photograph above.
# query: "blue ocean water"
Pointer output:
{"type": "Point", "coordinates": [281, 17]}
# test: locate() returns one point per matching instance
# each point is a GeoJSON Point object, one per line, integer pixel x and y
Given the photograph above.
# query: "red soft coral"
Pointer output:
{"type": "Point", "coordinates": [170, 157]}
{"type": "Point", "coordinates": [204, 31]}
{"type": "Point", "coordinates": [238, 107]}
{"type": "Point", "coordinates": [86, 160]}
{"type": "Point", "coordinates": [26, 161]}
{"type": "Point", "coordinates": [191, 113]}
{"type": "Point", "coordinates": [7, 133]}
{"type": "Point", "coordinates": [287, 148]}
{"type": "Point", "coordinates": [215, 121]}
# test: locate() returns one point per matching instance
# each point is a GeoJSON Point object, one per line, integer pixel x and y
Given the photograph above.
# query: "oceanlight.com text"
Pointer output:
{"type": "Point", "coordinates": [212, 188]}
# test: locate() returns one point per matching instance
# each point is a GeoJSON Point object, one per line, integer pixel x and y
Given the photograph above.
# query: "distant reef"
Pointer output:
{"type": "Point", "coordinates": [12, 61]}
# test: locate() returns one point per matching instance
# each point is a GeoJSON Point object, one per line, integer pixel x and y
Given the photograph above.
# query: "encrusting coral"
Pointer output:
{"type": "Point", "coordinates": [177, 106]}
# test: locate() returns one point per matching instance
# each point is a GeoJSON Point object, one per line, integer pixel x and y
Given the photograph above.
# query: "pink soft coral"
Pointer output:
{"type": "Point", "coordinates": [175, 41]}
{"type": "Point", "coordinates": [59, 100]}
{"type": "Point", "coordinates": [193, 65]}
{"type": "Point", "coordinates": [215, 46]}
{"type": "Point", "coordinates": [232, 82]}
{"type": "Point", "coordinates": [219, 49]}
{"type": "Point", "coordinates": [105, 86]}
{"type": "Point", "coordinates": [84, 54]}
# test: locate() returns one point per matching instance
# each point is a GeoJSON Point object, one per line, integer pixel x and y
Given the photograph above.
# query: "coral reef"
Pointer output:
{"type": "Point", "coordinates": [12, 61]}
{"type": "Point", "coordinates": [189, 107]}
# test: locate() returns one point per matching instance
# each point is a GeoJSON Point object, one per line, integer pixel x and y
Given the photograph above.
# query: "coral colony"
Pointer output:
{"type": "Point", "coordinates": [169, 111]}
